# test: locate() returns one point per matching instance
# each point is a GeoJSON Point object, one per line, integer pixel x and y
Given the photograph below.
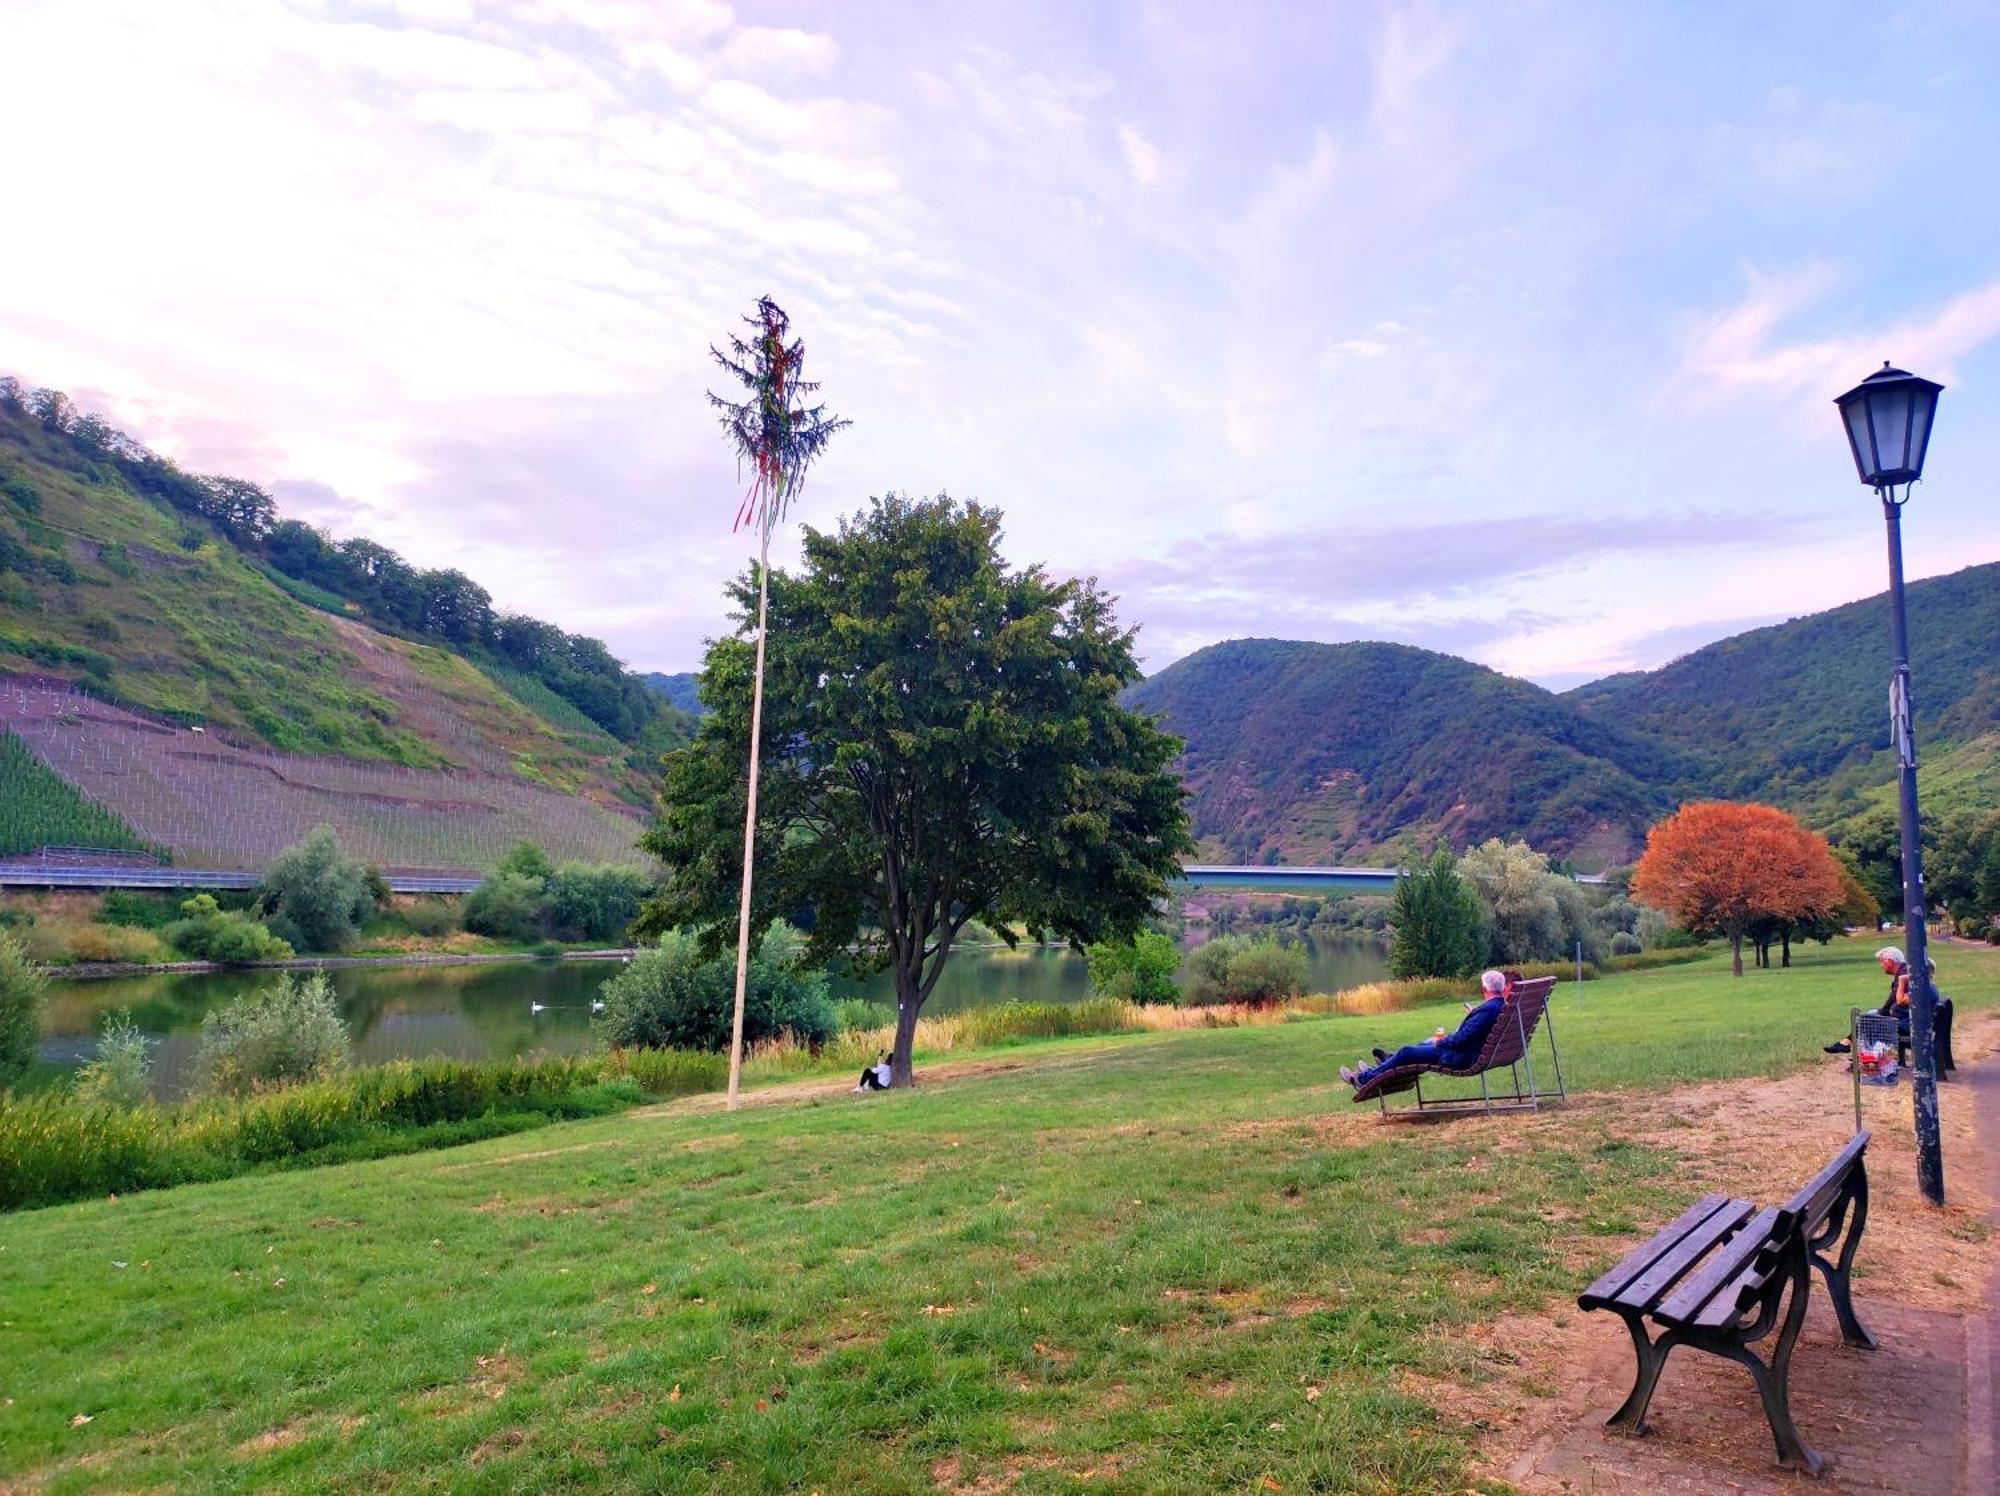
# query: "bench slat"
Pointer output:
{"type": "Point", "coordinates": [1646, 1290]}
{"type": "Point", "coordinates": [1637, 1261]}
{"type": "Point", "coordinates": [1739, 1258]}
{"type": "Point", "coordinates": [1816, 1197]}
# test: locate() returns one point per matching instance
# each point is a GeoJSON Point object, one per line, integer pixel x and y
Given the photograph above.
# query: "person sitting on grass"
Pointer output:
{"type": "Point", "coordinates": [876, 1076]}
{"type": "Point", "coordinates": [1453, 1051]}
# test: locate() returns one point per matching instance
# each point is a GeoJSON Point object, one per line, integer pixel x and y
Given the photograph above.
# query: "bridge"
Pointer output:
{"type": "Point", "coordinates": [1353, 879]}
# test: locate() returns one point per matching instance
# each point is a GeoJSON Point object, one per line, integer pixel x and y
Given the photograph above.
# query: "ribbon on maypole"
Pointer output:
{"type": "Point", "coordinates": [777, 440]}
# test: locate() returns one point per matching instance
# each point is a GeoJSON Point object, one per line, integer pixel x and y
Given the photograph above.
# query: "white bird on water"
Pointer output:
{"type": "Point", "coordinates": [535, 1007]}
{"type": "Point", "coordinates": [597, 1005]}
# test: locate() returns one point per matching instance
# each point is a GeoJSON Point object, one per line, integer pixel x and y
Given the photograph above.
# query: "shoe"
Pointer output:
{"type": "Point", "coordinates": [1347, 1074]}
{"type": "Point", "coordinates": [1839, 1046]}
{"type": "Point", "coordinates": [1379, 1052]}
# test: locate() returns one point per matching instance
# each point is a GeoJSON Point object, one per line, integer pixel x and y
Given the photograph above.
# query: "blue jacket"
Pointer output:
{"type": "Point", "coordinates": [1463, 1047]}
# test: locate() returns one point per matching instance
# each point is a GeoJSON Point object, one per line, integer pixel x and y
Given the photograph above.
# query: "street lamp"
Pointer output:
{"type": "Point", "coordinates": [1888, 421]}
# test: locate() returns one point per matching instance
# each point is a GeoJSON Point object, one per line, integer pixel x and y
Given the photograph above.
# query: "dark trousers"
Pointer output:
{"type": "Point", "coordinates": [869, 1082]}
{"type": "Point", "coordinates": [1430, 1052]}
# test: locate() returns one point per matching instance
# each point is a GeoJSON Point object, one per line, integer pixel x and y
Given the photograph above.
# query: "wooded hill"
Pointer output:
{"type": "Point", "coordinates": [181, 601]}
{"type": "Point", "coordinates": [1303, 752]}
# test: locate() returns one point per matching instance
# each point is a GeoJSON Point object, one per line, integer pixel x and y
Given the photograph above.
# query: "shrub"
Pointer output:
{"type": "Point", "coordinates": [21, 990]}
{"type": "Point", "coordinates": [312, 889]}
{"type": "Point", "coordinates": [430, 917]}
{"type": "Point", "coordinates": [593, 903]}
{"type": "Point", "coordinates": [290, 1031]}
{"type": "Point", "coordinates": [1623, 944]}
{"type": "Point", "coordinates": [669, 998]}
{"type": "Point", "coordinates": [118, 1075]}
{"type": "Point", "coordinates": [137, 910]}
{"type": "Point", "coordinates": [857, 1015]}
{"type": "Point", "coordinates": [506, 906]}
{"type": "Point", "coordinates": [1237, 969]}
{"type": "Point", "coordinates": [1014, 1021]}
{"type": "Point", "coordinates": [210, 933]}
{"type": "Point", "coordinates": [1140, 970]}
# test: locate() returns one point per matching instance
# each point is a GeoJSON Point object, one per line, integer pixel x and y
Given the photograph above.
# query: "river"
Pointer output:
{"type": "Point", "coordinates": [499, 1010]}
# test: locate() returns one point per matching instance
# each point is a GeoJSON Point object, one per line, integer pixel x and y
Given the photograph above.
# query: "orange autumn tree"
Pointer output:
{"type": "Point", "coordinates": [1719, 867]}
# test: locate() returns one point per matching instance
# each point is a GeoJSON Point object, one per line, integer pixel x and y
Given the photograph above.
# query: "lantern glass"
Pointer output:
{"type": "Point", "coordinates": [1888, 420]}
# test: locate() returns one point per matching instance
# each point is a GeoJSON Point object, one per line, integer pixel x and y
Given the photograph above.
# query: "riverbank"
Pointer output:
{"type": "Point", "coordinates": [1161, 1262]}
{"type": "Point", "coordinates": [82, 971]}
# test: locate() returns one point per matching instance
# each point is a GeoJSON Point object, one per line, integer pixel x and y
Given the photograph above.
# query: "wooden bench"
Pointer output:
{"type": "Point", "coordinates": [1717, 1276]}
{"type": "Point", "coordinates": [1508, 1044]}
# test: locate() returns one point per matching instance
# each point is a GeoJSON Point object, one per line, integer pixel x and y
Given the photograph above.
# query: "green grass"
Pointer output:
{"type": "Point", "coordinates": [39, 808]}
{"type": "Point", "coordinates": [1135, 1258]}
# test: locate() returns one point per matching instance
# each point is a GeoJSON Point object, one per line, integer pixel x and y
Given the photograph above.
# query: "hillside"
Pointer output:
{"type": "Point", "coordinates": [683, 689]}
{"type": "Point", "coordinates": [171, 672]}
{"type": "Point", "coordinates": [1338, 752]}
{"type": "Point", "coordinates": [1797, 713]}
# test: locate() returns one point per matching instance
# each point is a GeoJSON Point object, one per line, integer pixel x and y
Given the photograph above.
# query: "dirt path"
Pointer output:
{"type": "Point", "coordinates": [1900, 1418]}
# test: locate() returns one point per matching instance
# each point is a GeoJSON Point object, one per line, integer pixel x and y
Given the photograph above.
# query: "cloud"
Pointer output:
{"type": "Point", "coordinates": [1142, 157]}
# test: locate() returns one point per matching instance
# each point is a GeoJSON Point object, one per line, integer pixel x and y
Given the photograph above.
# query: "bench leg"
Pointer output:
{"type": "Point", "coordinates": [1836, 1274]}
{"type": "Point", "coordinates": [1652, 1356]}
{"type": "Point", "coordinates": [1774, 1385]}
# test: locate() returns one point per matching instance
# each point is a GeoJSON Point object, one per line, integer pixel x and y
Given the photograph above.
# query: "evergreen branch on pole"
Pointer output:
{"type": "Point", "coordinates": [778, 440]}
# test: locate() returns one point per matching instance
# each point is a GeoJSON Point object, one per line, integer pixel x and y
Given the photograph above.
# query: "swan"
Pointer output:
{"type": "Point", "coordinates": [597, 1005]}
{"type": "Point", "coordinates": [535, 1007]}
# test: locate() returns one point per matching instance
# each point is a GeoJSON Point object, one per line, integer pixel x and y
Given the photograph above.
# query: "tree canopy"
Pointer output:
{"type": "Point", "coordinates": [943, 741]}
{"type": "Point", "coordinates": [1720, 867]}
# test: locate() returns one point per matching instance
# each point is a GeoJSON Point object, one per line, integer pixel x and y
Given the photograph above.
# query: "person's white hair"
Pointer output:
{"type": "Point", "coordinates": [1493, 981]}
{"type": "Point", "coordinates": [1890, 953]}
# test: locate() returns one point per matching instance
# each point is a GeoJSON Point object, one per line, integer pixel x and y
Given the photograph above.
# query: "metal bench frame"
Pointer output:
{"type": "Point", "coordinates": [1716, 1278]}
{"type": "Point", "coordinates": [1510, 1042]}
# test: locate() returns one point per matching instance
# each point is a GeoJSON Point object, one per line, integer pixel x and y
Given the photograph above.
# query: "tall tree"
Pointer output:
{"type": "Point", "coordinates": [777, 437]}
{"type": "Point", "coordinates": [947, 743]}
{"type": "Point", "coordinates": [1719, 868]}
{"type": "Point", "coordinates": [1440, 929]}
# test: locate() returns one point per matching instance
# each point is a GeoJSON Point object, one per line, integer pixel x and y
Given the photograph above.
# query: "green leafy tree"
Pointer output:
{"type": "Point", "coordinates": [21, 988]}
{"type": "Point", "coordinates": [506, 906]}
{"type": "Point", "coordinates": [118, 1075]}
{"type": "Point", "coordinates": [675, 997]}
{"type": "Point", "coordinates": [1523, 909]}
{"type": "Point", "coordinates": [593, 903]}
{"type": "Point", "coordinates": [1440, 930]}
{"type": "Point", "coordinates": [208, 932]}
{"type": "Point", "coordinates": [944, 741]}
{"type": "Point", "coordinates": [316, 897]}
{"type": "Point", "coordinates": [291, 1031]}
{"type": "Point", "coordinates": [1141, 969]}
{"type": "Point", "coordinates": [526, 860]}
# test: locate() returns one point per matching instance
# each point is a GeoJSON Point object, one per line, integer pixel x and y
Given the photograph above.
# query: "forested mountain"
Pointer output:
{"type": "Point", "coordinates": [1798, 713]}
{"type": "Point", "coordinates": [683, 689]}
{"type": "Point", "coordinates": [1339, 752]}
{"type": "Point", "coordinates": [181, 601]}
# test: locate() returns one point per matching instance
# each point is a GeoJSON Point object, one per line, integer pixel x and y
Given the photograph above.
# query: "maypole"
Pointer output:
{"type": "Point", "coordinates": [778, 441]}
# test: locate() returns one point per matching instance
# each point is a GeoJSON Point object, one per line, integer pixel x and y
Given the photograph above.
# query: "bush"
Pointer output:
{"type": "Point", "coordinates": [312, 889]}
{"type": "Point", "coordinates": [291, 1031]}
{"type": "Point", "coordinates": [669, 998]}
{"type": "Point", "coordinates": [1235, 969]}
{"type": "Point", "coordinates": [1140, 970]}
{"type": "Point", "coordinates": [1623, 944]}
{"type": "Point", "coordinates": [211, 933]}
{"type": "Point", "coordinates": [133, 909]}
{"type": "Point", "coordinates": [593, 903]}
{"type": "Point", "coordinates": [1440, 930]}
{"type": "Point", "coordinates": [118, 1075]}
{"type": "Point", "coordinates": [854, 1015]}
{"type": "Point", "coordinates": [21, 988]}
{"type": "Point", "coordinates": [506, 906]}
{"type": "Point", "coordinates": [430, 917]}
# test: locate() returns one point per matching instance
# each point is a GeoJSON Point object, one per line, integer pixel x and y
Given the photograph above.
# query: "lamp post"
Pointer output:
{"type": "Point", "coordinates": [1888, 421]}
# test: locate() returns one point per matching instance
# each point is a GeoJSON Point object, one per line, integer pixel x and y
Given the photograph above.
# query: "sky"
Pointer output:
{"type": "Point", "coordinates": [1507, 330]}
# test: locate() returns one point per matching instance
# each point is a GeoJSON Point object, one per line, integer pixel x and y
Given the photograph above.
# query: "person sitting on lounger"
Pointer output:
{"type": "Point", "coordinates": [1452, 1051]}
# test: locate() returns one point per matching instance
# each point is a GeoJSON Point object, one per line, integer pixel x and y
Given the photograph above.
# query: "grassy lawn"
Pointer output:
{"type": "Point", "coordinates": [1147, 1261]}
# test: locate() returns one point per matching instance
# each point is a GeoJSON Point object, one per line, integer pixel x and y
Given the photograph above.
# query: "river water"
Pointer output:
{"type": "Point", "coordinates": [500, 1010]}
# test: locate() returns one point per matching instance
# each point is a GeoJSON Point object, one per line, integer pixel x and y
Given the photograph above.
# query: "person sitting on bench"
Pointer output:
{"type": "Point", "coordinates": [1453, 1050]}
{"type": "Point", "coordinates": [1897, 1004]}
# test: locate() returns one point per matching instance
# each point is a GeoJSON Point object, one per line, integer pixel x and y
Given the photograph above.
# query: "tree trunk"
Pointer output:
{"type": "Point", "coordinates": [909, 1002]}
{"type": "Point", "coordinates": [1736, 952]}
{"type": "Point", "coordinates": [1786, 937]}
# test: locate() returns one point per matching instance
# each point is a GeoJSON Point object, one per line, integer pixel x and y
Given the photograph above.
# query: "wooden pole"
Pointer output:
{"type": "Point", "coordinates": [750, 818]}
